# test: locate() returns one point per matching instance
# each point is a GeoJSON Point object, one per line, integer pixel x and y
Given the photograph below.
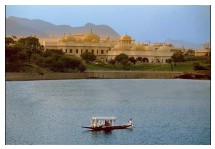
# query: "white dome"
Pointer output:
{"type": "Point", "coordinates": [126, 38]}
{"type": "Point", "coordinates": [138, 47]}
{"type": "Point", "coordinates": [91, 37]}
{"type": "Point", "coordinates": [67, 38]}
{"type": "Point", "coordinates": [164, 48]}
{"type": "Point", "coordinates": [150, 48]}
{"type": "Point", "coordinates": [122, 47]}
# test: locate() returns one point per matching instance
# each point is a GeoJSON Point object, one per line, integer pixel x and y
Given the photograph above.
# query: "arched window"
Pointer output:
{"type": "Point", "coordinates": [145, 60]}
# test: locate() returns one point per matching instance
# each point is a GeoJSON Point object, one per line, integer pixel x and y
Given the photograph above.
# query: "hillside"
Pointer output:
{"type": "Point", "coordinates": [25, 27]}
{"type": "Point", "coordinates": [185, 44]}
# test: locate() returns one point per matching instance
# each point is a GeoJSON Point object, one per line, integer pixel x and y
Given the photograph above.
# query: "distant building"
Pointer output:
{"type": "Point", "coordinates": [106, 49]}
{"type": "Point", "coordinates": [204, 52]}
{"type": "Point", "coordinates": [152, 53]}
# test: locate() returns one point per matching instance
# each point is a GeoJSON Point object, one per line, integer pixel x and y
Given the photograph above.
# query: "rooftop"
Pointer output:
{"type": "Point", "coordinates": [104, 118]}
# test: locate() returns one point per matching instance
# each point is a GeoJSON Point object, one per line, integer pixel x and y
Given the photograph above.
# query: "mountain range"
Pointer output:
{"type": "Point", "coordinates": [185, 44]}
{"type": "Point", "coordinates": [24, 27]}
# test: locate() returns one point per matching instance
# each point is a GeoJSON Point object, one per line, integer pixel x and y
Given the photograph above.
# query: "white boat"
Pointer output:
{"type": "Point", "coordinates": [106, 124]}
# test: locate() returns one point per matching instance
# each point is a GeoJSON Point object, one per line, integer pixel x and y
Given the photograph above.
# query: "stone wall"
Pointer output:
{"type": "Point", "coordinates": [92, 75]}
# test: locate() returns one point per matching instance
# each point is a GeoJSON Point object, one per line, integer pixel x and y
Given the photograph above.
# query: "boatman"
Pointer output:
{"type": "Point", "coordinates": [130, 122]}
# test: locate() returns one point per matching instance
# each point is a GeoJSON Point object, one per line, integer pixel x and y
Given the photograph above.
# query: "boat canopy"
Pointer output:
{"type": "Point", "coordinates": [100, 121]}
{"type": "Point", "coordinates": [103, 118]}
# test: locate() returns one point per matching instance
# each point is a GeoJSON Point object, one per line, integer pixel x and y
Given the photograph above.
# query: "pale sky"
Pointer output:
{"type": "Point", "coordinates": [142, 22]}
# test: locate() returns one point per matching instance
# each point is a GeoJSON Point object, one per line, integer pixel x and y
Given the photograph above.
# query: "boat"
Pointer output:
{"type": "Point", "coordinates": [106, 124]}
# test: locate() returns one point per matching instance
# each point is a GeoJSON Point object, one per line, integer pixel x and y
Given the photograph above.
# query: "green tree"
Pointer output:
{"type": "Point", "coordinates": [29, 50]}
{"type": "Point", "coordinates": [121, 57]}
{"type": "Point", "coordinates": [81, 67]}
{"type": "Point", "coordinates": [89, 57]}
{"type": "Point", "coordinates": [39, 59]}
{"type": "Point", "coordinates": [49, 62]}
{"type": "Point", "coordinates": [30, 45]}
{"type": "Point", "coordinates": [132, 60]}
{"type": "Point", "coordinates": [9, 41]}
{"type": "Point", "coordinates": [124, 62]}
{"type": "Point", "coordinates": [112, 61]}
{"type": "Point", "coordinates": [11, 53]}
{"type": "Point", "coordinates": [22, 56]}
{"type": "Point", "coordinates": [145, 60]}
{"type": "Point", "coordinates": [139, 59]}
{"type": "Point", "coordinates": [60, 65]}
{"type": "Point", "coordinates": [15, 58]}
{"type": "Point", "coordinates": [190, 52]}
{"type": "Point", "coordinates": [177, 57]}
{"type": "Point", "coordinates": [170, 62]}
{"type": "Point", "coordinates": [197, 66]}
{"type": "Point", "coordinates": [64, 63]}
{"type": "Point", "coordinates": [51, 52]}
{"type": "Point", "coordinates": [72, 63]}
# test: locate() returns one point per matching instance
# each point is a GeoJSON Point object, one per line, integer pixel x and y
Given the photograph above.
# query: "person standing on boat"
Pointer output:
{"type": "Point", "coordinates": [130, 122]}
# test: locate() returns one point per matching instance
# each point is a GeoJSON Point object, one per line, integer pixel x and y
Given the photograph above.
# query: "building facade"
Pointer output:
{"type": "Point", "coordinates": [206, 51]}
{"type": "Point", "coordinates": [107, 49]}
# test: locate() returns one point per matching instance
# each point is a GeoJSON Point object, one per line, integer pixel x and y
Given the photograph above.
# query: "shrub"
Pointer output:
{"type": "Point", "coordinates": [197, 66]}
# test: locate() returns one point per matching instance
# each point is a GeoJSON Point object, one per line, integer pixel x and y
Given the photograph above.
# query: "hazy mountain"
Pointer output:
{"type": "Point", "coordinates": [25, 27]}
{"type": "Point", "coordinates": [17, 29]}
{"type": "Point", "coordinates": [181, 43]}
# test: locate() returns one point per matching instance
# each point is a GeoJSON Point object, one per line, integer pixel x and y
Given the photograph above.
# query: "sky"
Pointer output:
{"type": "Point", "coordinates": [154, 23]}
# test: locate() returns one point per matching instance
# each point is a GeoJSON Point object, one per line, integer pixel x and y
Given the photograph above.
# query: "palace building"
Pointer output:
{"type": "Point", "coordinates": [106, 49]}
{"type": "Point", "coordinates": [206, 51]}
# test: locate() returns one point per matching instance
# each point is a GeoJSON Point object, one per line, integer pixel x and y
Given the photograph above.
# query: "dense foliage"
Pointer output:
{"type": "Point", "coordinates": [132, 60]}
{"type": "Point", "coordinates": [197, 66]}
{"type": "Point", "coordinates": [112, 62]}
{"type": "Point", "coordinates": [27, 54]}
{"type": "Point", "coordinates": [177, 57]}
{"type": "Point", "coordinates": [89, 57]}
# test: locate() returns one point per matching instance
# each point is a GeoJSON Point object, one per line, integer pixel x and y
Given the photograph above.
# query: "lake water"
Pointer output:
{"type": "Point", "coordinates": [164, 111]}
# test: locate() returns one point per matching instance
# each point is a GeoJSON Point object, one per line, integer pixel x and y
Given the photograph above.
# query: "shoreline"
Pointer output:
{"type": "Point", "coordinates": [93, 75]}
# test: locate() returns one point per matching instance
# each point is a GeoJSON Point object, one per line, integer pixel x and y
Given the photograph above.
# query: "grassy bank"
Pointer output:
{"type": "Point", "coordinates": [185, 66]}
{"type": "Point", "coordinates": [34, 71]}
{"type": "Point", "coordinates": [180, 67]}
{"type": "Point", "coordinates": [93, 75]}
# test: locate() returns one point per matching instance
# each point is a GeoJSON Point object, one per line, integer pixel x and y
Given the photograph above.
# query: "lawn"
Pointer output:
{"type": "Point", "coordinates": [185, 66]}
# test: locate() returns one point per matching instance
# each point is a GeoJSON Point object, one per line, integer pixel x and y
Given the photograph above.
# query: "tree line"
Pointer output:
{"type": "Point", "coordinates": [25, 53]}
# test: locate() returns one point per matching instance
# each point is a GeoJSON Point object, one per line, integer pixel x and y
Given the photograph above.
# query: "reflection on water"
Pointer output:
{"type": "Point", "coordinates": [97, 133]}
{"type": "Point", "coordinates": [52, 112]}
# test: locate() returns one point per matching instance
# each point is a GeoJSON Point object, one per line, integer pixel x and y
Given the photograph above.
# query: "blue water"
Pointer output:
{"type": "Point", "coordinates": [164, 111]}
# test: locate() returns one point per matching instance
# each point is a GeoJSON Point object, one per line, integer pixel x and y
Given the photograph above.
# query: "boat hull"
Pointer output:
{"type": "Point", "coordinates": [108, 128]}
